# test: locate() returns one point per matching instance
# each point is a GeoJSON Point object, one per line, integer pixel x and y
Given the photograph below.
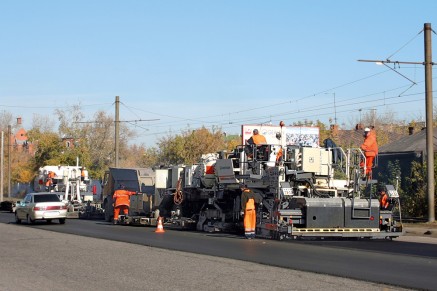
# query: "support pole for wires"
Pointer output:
{"type": "Point", "coordinates": [429, 122]}
{"type": "Point", "coordinates": [117, 129]}
{"type": "Point", "coordinates": [429, 115]}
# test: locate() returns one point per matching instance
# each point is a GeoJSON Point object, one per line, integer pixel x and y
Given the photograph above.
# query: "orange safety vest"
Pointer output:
{"type": "Point", "coordinates": [121, 197]}
{"type": "Point", "coordinates": [384, 201]}
{"type": "Point", "coordinates": [370, 147]}
{"type": "Point", "coordinates": [259, 139]}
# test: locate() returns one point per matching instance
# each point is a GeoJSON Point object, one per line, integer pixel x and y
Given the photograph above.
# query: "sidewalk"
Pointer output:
{"type": "Point", "coordinates": [419, 233]}
{"type": "Point", "coordinates": [421, 229]}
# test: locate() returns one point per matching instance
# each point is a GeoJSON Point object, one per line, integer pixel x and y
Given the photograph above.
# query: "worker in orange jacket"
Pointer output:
{"type": "Point", "coordinates": [121, 200]}
{"type": "Point", "coordinates": [248, 200]}
{"type": "Point", "coordinates": [82, 174]}
{"type": "Point", "coordinates": [257, 138]}
{"type": "Point", "coordinates": [49, 182]}
{"type": "Point", "coordinates": [384, 202]}
{"type": "Point", "coordinates": [370, 148]}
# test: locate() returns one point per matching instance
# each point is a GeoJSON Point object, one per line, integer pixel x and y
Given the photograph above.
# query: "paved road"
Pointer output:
{"type": "Point", "coordinates": [394, 263]}
{"type": "Point", "coordinates": [71, 262]}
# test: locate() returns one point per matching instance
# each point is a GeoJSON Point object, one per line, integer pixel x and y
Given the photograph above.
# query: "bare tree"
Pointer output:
{"type": "Point", "coordinates": [6, 118]}
{"type": "Point", "coordinates": [42, 122]}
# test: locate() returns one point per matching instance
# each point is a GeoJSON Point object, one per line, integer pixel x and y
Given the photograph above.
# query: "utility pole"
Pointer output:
{"type": "Point", "coordinates": [117, 129]}
{"type": "Point", "coordinates": [9, 160]}
{"type": "Point", "coordinates": [429, 115]}
{"type": "Point", "coordinates": [1, 166]}
{"type": "Point", "coordinates": [429, 122]}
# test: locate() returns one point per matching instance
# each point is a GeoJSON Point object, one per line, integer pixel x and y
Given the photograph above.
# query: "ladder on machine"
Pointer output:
{"type": "Point", "coordinates": [359, 178]}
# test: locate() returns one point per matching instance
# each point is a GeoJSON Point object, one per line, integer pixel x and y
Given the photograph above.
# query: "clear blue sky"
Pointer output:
{"type": "Point", "coordinates": [213, 63]}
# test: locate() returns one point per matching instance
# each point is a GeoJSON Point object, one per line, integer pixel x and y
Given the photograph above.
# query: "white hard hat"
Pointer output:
{"type": "Point", "coordinates": [367, 129]}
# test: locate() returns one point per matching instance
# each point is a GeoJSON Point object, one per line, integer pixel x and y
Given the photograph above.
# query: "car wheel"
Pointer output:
{"type": "Point", "coordinates": [30, 220]}
{"type": "Point", "coordinates": [17, 220]}
{"type": "Point", "coordinates": [49, 221]}
{"type": "Point", "coordinates": [62, 220]}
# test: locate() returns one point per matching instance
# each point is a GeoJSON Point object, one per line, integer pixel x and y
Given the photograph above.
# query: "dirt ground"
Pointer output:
{"type": "Point", "coordinates": [427, 229]}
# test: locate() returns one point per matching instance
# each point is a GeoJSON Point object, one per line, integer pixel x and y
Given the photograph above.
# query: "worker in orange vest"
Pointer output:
{"type": "Point", "coordinates": [257, 138]}
{"type": "Point", "coordinates": [82, 174]}
{"type": "Point", "coordinates": [384, 202]}
{"type": "Point", "coordinates": [49, 181]}
{"type": "Point", "coordinates": [121, 200]}
{"type": "Point", "coordinates": [370, 148]}
{"type": "Point", "coordinates": [248, 200]}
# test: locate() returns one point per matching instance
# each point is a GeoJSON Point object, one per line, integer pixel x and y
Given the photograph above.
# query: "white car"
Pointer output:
{"type": "Point", "coordinates": [41, 206]}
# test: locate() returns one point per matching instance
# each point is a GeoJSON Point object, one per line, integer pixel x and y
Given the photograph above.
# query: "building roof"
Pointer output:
{"type": "Point", "coordinates": [410, 143]}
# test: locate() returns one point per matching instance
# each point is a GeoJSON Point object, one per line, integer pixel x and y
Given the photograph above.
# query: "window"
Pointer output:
{"type": "Point", "coordinates": [46, 198]}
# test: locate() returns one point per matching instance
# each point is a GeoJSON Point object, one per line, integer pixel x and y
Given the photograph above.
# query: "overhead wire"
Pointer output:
{"type": "Point", "coordinates": [224, 126]}
{"type": "Point", "coordinates": [407, 43]}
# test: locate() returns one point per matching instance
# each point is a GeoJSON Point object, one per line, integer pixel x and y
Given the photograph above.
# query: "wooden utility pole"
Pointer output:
{"type": "Point", "coordinates": [9, 160]}
{"type": "Point", "coordinates": [1, 167]}
{"type": "Point", "coordinates": [117, 129]}
{"type": "Point", "coordinates": [429, 122]}
{"type": "Point", "coordinates": [429, 115]}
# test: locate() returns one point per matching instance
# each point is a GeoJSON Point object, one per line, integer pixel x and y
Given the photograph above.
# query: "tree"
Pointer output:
{"type": "Point", "coordinates": [150, 158]}
{"type": "Point", "coordinates": [43, 123]}
{"type": "Point", "coordinates": [5, 120]}
{"type": "Point", "coordinates": [48, 146]}
{"type": "Point", "coordinates": [415, 193]}
{"type": "Point", "coordinates": [188, 147]}
{"type": "Point", "coordinates": [94, 140]}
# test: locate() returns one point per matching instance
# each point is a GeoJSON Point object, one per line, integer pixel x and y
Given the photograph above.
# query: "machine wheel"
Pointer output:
{"type": "Point", "coordinates": [108, 216]}
{"type": "Point", "coordinates": [30, 220]}
{"type": "Point", "coordinates": [17, 220]}
{"type": "Point", "coordinates": [61, 220]}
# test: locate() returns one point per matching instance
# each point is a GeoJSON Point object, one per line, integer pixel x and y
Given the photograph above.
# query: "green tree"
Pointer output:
{"type": "Point", "coordinates": [415, 192]}
{"type": "Point", "coordinates": [188, 147]}
{"type": "Point", "coordinates": [49, 148]}
{"type": "Point", "coordinates": [95, 140]}
{"type": "Point", "coordinates": [150, 158]}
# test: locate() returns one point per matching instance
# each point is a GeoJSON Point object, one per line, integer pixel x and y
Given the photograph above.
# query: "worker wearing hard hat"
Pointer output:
{"type": "Point", "coordinates": [257, 138]}
{"type": "Point", "coordinates": [370, 148]}
{"type": "Point", "coordinates": [121, 200]}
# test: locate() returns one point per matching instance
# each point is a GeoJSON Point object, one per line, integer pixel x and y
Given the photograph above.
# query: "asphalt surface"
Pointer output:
{"type": "Point", "coordinates": [388, 262]}
{"type": "Point", "coordinates": [35, 259]}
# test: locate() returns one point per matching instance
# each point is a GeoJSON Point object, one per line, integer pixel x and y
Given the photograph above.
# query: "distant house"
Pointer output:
{"type": "Point", "coordinates": [353, 138]}
{"type": "Point", "coordinates": [19, 140]}
{"type": "Point", "coordinates": [406, 150]}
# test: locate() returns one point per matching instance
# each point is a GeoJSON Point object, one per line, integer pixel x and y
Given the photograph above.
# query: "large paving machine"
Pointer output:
{"type": "Point", "coordinates": [299, 194]}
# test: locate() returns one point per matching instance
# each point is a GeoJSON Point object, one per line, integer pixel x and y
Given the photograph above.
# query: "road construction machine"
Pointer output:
{"type": "Point", "coordinates": [142, 204]}
{"type": "Point", "coordinates": [304, 191]}
{"type": "Point", "coordinates": [70, 183]}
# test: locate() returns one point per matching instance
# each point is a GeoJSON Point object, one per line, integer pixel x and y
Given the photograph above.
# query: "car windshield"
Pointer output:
{"type": "Point", "coordinates": [46, 198]}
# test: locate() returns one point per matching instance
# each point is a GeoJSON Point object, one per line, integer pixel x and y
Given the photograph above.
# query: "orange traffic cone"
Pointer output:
{"type": "Point", "coordinates": [159, 227]}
